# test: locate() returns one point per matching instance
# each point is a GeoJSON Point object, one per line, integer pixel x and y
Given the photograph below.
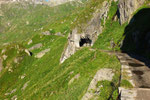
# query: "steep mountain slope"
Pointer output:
{"type": "Point", "coordinates": [28, 19]}
{"type": "Point", "coordinates": [34, 37]}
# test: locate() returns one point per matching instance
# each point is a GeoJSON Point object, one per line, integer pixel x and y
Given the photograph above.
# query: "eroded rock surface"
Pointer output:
{"type": "Point", "coordinates": [1, 65]}
{"type": "Point", "coordinates": [102, 74]}
{"type": "Point", "coordinates": [25, 85]}
{"type": "Point", "coordinates": [89, 34]}
{"type": "Point", "coordinates": [75, 77]}
{"type": "Point", "coordinates": [42, 53]}
{"type": "Point", "coordinates": [127, 8]}
{"type": "Point", "coordinates": [36, 46]}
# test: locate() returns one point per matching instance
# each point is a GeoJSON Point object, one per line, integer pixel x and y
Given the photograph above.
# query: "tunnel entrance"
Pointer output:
{"type": "Point", "coordinates": [85, 42]}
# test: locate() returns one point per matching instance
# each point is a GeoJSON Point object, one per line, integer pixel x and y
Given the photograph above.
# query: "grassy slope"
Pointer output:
{"type": "Point", "coordinates": [40, 18]}
{"type": "Point", "coordinates": [49, 80]}
{"type": "Point", "coordinates": [112, 32]}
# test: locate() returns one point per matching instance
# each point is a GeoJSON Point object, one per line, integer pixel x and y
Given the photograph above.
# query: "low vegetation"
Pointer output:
{"type": "Point", "coordinates": [45, 78]}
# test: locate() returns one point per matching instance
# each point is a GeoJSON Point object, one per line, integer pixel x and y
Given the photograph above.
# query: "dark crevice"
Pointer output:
{"type": "Point", "coordinates": [85, 41]}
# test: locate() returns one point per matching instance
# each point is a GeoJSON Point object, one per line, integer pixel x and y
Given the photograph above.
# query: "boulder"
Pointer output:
{"type": "Point", "coordinates": [29, 42]}
{"type": "Point", "coordinates": [28, 52]}
{"type": "Point", "coordinates": [1, 65]}
{"type": "Point", "coordinates": [4, 57]}
{"type": "Point", "coordinates": [42, 53]}
{"type": "Point", "coordinates": [59, 34]}
{"type": "Point", "coordinates": [75, 77]}
{"type": "Point", "coordinates": [46, 33]}
{"type": "Point", "coordinates": [36, 46]}
{"type": "Point", "coordinates": [102, 74]}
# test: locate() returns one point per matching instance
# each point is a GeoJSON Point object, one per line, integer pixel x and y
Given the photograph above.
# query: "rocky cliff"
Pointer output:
{"type": "Point", "coordinates": [127, 7]}
{"type": "Point", "coordinates": [137, 32]}
{"type": "Point", "coordinates": [89, 33]}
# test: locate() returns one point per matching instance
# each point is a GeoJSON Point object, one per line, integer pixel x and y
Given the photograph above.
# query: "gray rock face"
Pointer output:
{"type": "Point", "coordinates": [1, 65]}
{"type": "Point", "coordinates": [25, 85]}
{"type": "Point", "coordinates": [127, 7]}
{"type": "Point", "coordinates": [102, 74]}
{"type": "Point", "coordinates": [42, 53]}
{"type": "Point", "coordinates": [27, 52]}
{"type": "Point", "coordinates": [36, 46]}
{"type": "Point", "coordinates": [89, 34]}
{"type": "Point", "coordinates": [46, 33]}
{"type": "Point", "coordinates": [75, 77]}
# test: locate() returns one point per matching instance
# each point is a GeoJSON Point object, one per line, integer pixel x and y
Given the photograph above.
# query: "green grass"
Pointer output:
{"type": "Point", "coordinates": [86, 14]}
{"type": "Point", "coordinates": [126, 84]}
{"type": "Point", "coordinates": [22, 21]}
{"type": "Point", "coordinates": [48, 79]}
{"type": "Point", "coordinates": [112, 31]}
{"type": "Point", "coordinates": [106, 90]}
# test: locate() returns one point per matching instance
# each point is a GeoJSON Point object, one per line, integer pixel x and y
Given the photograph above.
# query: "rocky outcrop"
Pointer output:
{"type": "Point", "coordinates": [36, 46]}
{"type": "Point", "coordinates": [126, 9]}
{"type": "Point", "coordinates": [89, 34]}
{"type": "Point", "coordinates": [102, 74]}
{"type": "Point", "coordinates": [1, 65]}
{"type": "Point", "coordinates": [42, 53]}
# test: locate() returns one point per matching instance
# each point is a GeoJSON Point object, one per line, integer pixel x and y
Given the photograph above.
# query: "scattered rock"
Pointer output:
{"type": "Point", "coordinates": [3, 51]}
{"type": "Point", "coordinates": [30, 42]}
{"type": "Point", "coordinates": [28, 52]}
{"type": "Point", "coordinates": [4, 57]}
{"type": "Point", "coordinates": [5, 44]}
{"type": "Point", "coordinates": [102, 74]}
{"type": "Point", "coordinates": [115, 0]}
{"type": "Point", "coordinates": [42, 53]}
{"type": "Point", "coordinates": [46, 33]}
{"type": "Point", "coordinates": [13, 91]}
{"type": "Point", "coordinates": [112, 44]}
{"type": "Point", "coordinates": [36, 46]}
{"type": "Point", "coordinates": [23, 76]}
{"type": "Point", "coordinates": [16, 60]}
{"type": "Point", "coordinates": [10, 69]}
{"type": "Point", "coordinates": [71, 72]}
{"type": "Point", "coordinates": [8, 24]}
{"type": "Point", "coordinates": [14, 97]}
{"type": "Point", "coordinates": [25, 85]}
{"type": "Point", "coordinates": [59, 34]}
{"type": "Point", "coordinates": [75, 77]}
{"type": "Point", "coordinates": [27, 22]}
{"type": "Point", "coordinates": [1, 65]}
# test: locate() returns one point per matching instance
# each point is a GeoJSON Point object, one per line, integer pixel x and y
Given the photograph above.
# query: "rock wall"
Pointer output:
{"type": "Point", "coordinates": [89, 34]}
{"type": "Point", "coordinates": [126, 9]}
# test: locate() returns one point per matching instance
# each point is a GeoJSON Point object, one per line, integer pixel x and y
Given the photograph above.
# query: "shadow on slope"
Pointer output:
{"type": "Point", "coordinates": [137, 36]}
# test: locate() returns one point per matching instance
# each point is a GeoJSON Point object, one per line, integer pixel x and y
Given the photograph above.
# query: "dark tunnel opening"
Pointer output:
{"type": "Point", "coordinates": [85, 42]}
